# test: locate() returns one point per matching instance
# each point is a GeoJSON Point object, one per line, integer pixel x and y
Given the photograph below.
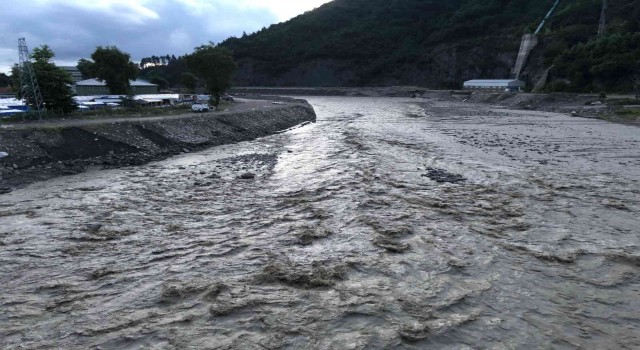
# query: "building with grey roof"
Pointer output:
{"type": "Point", "coordinates": [76, 76]}
{"type": "Point", "coordinates": [97, 87]}
{"type": "Point", "coordinates": [494, 85]}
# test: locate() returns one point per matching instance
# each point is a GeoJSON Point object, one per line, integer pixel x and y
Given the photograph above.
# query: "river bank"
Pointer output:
{"type": "Point", "coordinates": [616, 108]}
{"type": "Point", "coordinates": [38, 151]}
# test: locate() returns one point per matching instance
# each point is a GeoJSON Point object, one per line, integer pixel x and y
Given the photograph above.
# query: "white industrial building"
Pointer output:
{"type": "Point", "coordinates": [104, 101]}
{"type": "Point", "coordinates": [495, 85]}
{"type": "Point", "coordinates": [11, 106]}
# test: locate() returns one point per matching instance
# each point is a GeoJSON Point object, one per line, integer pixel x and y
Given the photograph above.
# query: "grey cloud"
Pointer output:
{"type": "Point", "coordinates": [74, 33]}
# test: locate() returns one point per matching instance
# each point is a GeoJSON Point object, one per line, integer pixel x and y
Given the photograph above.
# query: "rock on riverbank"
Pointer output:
{"type": "Point", "coordinates": [43, 151]}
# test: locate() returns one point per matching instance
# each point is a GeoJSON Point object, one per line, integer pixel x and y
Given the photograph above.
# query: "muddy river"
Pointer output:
{"type": "Point", "coordinates": [389, 223]}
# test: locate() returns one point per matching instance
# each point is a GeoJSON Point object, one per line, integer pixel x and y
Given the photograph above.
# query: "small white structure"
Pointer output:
{"type": "Point", "coordinates": [495, 85]}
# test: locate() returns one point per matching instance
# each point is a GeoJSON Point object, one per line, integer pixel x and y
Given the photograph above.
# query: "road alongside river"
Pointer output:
{"type": "Point", "coordinates": [389, 223]}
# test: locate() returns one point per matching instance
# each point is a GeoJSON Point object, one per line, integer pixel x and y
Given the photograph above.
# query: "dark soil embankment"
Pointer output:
{"type": "Point", "coordinates": [44, 151]}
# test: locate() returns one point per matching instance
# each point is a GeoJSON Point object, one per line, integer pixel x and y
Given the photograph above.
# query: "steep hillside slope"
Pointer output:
{"type": "Point", "coordinates": [430, 43]}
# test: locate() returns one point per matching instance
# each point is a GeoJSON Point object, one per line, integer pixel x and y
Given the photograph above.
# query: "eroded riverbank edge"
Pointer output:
{"type": "Point", "coordinates": [44, 151]}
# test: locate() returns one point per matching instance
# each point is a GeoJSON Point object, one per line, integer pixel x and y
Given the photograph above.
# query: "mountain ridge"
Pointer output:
{"type": "Point", "coordinates": [430, 43]}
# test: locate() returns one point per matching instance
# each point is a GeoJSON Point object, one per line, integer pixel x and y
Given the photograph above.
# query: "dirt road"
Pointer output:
{"type": "Point", "coordinates": [241, 106]}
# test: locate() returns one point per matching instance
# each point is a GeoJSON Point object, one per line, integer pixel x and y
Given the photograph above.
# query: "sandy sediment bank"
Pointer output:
{"type": "Point", "coordinates": [393, 91]}
{"type": "Point", "coordinates": [574, 104]}
{"type": "Point", "coordinates": [44, 150]}
{"type": "Point", "coordinates": [524, 100]}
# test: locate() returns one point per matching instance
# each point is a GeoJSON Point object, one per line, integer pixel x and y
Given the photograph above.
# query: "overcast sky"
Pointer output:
{"type": "Point", "coordinates": [73, 28]}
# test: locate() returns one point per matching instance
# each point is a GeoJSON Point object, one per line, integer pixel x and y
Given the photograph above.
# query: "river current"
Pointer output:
{"type": "Point", "coordinates": [389, 223]}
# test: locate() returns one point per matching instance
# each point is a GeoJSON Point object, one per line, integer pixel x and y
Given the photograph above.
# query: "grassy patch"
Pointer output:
{"type": "Point", "coordinates": [632, 112]}
{"type": "Point", "coordinates": [624, 115]}
{"type": "Point", "coordinates": [128, 112]}
{"type": "Point", "coordinates": [623, 101]}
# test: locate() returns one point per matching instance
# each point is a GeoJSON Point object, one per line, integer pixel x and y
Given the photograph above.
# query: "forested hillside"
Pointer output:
{"type": "Point", "coordinates": [436, 43]}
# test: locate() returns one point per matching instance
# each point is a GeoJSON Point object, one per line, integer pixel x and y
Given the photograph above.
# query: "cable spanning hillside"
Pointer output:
{"type": "Point", "coordinates": [431, 43]}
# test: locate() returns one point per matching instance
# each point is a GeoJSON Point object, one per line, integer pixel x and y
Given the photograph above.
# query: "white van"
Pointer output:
{"type": "Point", "coordinates": [200, 107]}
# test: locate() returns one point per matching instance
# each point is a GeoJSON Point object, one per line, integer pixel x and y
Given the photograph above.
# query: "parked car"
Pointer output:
{"type": "Point", "coordinates": [228, 98]}
{"type": "Point", "coordinates": [200, 107]}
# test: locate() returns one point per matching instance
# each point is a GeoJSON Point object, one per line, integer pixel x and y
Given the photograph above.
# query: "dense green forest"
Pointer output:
{"type": "Point", "coordinates": [379, 32]}
{"type": "Point", "coordinates": [164, 70]}
{"type": "Point", "coordinates": [436, 44]}
{"type": "Point", "coordinates": [5, 80]}
{"type": "Point", "coordinates": [444, 42]}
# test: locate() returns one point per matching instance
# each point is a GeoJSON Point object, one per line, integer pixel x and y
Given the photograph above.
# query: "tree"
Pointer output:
{"type": "Point", "coordinates": [190, 81]}
{"type": "Point", "coordinates": [607, 62]}
{"type": "Point", "coordinates": [86, 68]}
{"type": "Point", "coordinates": [16, 80]}
{"type": "Point", "coordinates": [115, 68]}
{"type": "Point", "coordinates": [54, 82]}
{"type": "Point", "coordinates": [162, 83]}
{"type": "Point", "coordinates": [215, 65]}
{"type": "Point", "coordinates": [5, 80]}
{"type": "Point", "coordinates": [174, 67]}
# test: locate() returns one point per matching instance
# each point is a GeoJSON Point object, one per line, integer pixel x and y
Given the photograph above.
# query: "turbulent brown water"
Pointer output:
{"type": "Point", "coordinates": [388, 223]}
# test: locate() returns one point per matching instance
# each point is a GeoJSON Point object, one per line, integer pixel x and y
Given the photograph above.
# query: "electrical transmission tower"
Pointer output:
{"type": "Point", "coordinates": [29, 88]}
{"type": "Point", "coordinates": [602, 28]}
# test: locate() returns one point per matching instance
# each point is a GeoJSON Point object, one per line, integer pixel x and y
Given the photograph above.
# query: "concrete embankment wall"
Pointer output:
{"type": "Point", "coordinates": [44, 151]}
{"type": "Point", "coordinates": [529, 41]}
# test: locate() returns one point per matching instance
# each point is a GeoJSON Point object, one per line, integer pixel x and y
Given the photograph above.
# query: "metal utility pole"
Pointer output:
{"type": "Point", "coordinates": [29, 88]}
{"type": "Point", "coordinates": [602, 28]}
